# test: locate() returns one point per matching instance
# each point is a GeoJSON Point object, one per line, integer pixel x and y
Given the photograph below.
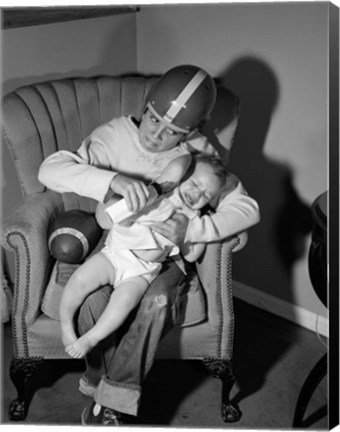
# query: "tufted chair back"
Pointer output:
{"type": "Point", "coordinates": [43, 118]}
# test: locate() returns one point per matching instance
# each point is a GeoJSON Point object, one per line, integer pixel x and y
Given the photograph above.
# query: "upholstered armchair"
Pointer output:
{"type": "Point", "coordinates": [38, 120]}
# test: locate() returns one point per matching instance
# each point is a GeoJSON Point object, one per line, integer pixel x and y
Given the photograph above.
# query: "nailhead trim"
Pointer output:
{"type": "Point", "coordinates": [16, 293]}
{"type": "Point", "coordinates": [219, 284]}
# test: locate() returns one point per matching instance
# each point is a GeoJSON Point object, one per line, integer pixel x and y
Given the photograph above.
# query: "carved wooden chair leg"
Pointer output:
{"type": "Point", "coordinates": [21, 370]}
{"type": "Point", "coordinates": [223, 370]}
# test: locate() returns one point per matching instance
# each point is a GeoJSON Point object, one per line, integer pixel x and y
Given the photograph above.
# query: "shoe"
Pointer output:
{"type": "Point", "coordinates": [95, 414]}
{"type": "Point", "coordinates": [86, 388]}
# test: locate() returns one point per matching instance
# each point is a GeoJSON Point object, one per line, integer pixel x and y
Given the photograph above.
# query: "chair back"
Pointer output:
{"type": "Point", "coordinates": [42, 118]}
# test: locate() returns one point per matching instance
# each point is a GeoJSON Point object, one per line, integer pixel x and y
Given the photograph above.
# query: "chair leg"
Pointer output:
{"type": "Point", "coordinates": [21, 370]}
{"type": "Point", "coordinates": [223, 370]}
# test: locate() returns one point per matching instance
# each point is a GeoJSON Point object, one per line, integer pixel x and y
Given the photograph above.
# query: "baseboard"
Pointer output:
{"type": "Point", "coordinates": [282, 308]}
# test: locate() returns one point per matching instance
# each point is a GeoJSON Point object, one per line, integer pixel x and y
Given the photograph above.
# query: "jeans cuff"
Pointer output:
{"type": "Point", "coordinates": [86, 387]}
{"type": "Point", "coordinates": [124, 398]}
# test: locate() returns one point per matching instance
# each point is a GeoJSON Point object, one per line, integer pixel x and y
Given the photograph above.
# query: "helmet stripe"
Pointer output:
{"type": "Point", "coordinates": [185, 95]}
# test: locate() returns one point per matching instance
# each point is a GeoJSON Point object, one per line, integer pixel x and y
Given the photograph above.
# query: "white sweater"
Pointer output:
{"type": "Point", "coordinates": [114, 148]}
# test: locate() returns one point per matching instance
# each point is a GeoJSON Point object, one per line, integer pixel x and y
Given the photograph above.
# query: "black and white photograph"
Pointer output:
{"type": "Point", "coordinates": [170, 215]}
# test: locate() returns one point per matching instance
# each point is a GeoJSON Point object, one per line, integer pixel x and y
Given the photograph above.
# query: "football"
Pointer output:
{"type": "Point", "coordinates": [73, 235]}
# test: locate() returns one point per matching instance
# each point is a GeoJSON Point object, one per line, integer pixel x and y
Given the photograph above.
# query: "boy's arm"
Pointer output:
{"type": "Point", "coordinates": [84, 172]}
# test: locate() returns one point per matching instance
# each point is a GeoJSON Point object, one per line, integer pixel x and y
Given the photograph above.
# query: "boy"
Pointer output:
{"type": "Point", "coordinates": [120, 158]}
{"type": "Point", "coordinates": [132, 257]}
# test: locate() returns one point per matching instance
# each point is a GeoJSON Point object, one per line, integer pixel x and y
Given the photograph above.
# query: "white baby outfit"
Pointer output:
{"type": "Point", "coordinates": [122, 239]}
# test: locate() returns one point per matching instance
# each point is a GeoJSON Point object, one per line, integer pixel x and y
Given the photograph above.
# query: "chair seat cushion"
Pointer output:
{"type": "Point", "coordinates": [45, 341]}
{"type": "Point", "coordinates": [60, 274]}
{"type": "Point", "coordinates": [193, 303]}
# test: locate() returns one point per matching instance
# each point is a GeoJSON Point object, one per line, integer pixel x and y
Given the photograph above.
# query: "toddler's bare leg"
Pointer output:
{"type": "Point", "coordinates": [123, 300]}
{"type": "Point", "coordinates": [95, 272]}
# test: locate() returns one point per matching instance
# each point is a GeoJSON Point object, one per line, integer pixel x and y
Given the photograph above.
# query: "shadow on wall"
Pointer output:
{"type": "Point", "coordinates": [220, 129]}
{"type": "Point", "coordinates": [279, 239]}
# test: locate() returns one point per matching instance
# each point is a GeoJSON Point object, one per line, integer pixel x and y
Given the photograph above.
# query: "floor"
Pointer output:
{"type": "Point", "coordinates": [272, 356]}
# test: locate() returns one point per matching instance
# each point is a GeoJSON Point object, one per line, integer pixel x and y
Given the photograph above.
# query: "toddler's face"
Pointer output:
{"type": "Point", "coordinates": [156, 136]}
{"type": "Point", "coordinates": [199, 189]}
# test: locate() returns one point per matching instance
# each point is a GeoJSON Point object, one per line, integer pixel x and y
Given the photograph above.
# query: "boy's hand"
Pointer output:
{"type": "Point", "coordinates": [135, 192]}
{"type": "Point", "coordinates": [174, 229]}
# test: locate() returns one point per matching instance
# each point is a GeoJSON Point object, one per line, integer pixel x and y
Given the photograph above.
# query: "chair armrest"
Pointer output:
{"type": "Point", "coordinates": [214, 269]}
{"type": "Point", "coordinates": [25, 233]}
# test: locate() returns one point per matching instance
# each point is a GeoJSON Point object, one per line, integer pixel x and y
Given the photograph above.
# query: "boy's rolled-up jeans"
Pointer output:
{"type": "Point", "coordinates": [118, 365]}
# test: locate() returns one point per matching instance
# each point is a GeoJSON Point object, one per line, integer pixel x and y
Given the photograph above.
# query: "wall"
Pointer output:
{"type": "Point", "coordinates": [274, 56]}
{"type": "Point", "coordinates": [76, 48]}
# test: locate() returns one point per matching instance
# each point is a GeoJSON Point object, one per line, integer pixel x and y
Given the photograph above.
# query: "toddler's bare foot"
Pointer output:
{"type": "Point", "coordinates": [80, 347]}
{"type": "Point", "coordinates": [68, 335]}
